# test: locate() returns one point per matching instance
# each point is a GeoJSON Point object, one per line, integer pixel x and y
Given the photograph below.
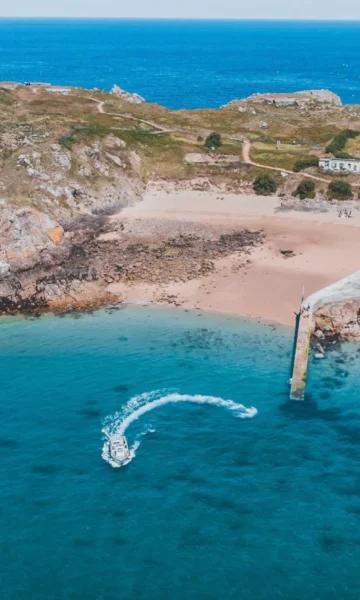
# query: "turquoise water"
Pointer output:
{"type": "Point", "coordinates": [212, 506]}
{"type": "Point", "coordinates": [184, 64]}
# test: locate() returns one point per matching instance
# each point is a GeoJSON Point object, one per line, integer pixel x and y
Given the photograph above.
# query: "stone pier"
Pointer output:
{"type": "Point", "coordinates": [305, 330]}
{"type": "Point", "coordinates": [336, 307]}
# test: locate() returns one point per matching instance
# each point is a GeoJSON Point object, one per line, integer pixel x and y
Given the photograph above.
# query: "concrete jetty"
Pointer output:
{"type": "Point", "coordinates": [337, 307]}
{"type": "Point", "coordinates": [305, 330]}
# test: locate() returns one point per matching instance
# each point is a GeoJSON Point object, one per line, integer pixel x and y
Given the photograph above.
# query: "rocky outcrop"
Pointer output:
{"type": "Point", "coordinates": [330, 315]}
{"type": "Point", "coordinates": [341, 319]}
{"type": "Point", "coordinates": [55, 201]}
{"type": "Point", "coordinates": [72, 266]}
{"type": "Point", "coordinates": [336, 308]}
{"type": "Point", "coordinates": [127, 96]}
{"type": "Point", "coordinates": [45, 266]}
{"type": "Point", "coordinates": [25, 233]}
{"type": "Point", "coordinates": [301, 99]}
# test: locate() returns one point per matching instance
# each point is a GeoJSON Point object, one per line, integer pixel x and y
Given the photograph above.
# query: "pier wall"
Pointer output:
{"type": "Point", "coordinates": [334, 309]}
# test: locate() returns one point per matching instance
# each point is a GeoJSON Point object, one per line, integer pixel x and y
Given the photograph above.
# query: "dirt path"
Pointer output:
{"type": "Point", "coordinates": [246, 148]}
{"type": "Point", "coordinates": [159, 129]}
{"type": "Point", "coordinates": [101, 110]}
{"type": "Point", "coordinates": [247, 159]}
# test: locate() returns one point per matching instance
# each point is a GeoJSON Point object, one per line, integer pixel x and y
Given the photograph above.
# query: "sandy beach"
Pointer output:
{"type": "Point", "coordinates": [303, 251]}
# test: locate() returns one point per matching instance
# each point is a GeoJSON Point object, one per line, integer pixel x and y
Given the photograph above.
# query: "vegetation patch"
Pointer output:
{"type": "Point", "coordinates": [305, 189]}
{"type": "Point", "coordinates": [5, 97]}
{"type": "Point", "coordinates": [336, 147]}
{"type": "Point", "coordinates": [265, 185]}
{"type": "Point", "coordinates": [145, 138]}
{"type": "Point", "coordinates": [81, 134]}
{"type": "Point", "coordinates": [213, 141]}
{"type": "Point", "coordinates": [339, 190]}
{"type": "Point", "coordinates": [306, 163]}
{"type": "Point", "coordinates": [319, 132]}
{"type": "Point", "coordinates": [277, 155]}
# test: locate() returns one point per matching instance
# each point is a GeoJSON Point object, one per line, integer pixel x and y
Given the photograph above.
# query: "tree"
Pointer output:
{"type": "Point", "coordinates": [339, 190]}
{"type": "Point", "coordinates": [265, 185]}
{"type": "Point", "coordinates": [213, 141]}
{"type": "Point", "coordinates": [305, 189]}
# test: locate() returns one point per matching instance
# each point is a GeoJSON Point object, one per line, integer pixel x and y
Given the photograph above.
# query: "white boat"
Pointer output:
{"type": "Point", "coordinates": [119, 449]}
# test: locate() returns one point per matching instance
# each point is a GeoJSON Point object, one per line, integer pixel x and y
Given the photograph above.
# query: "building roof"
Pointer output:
{"type": "Point", "coordinates": [348, 160]}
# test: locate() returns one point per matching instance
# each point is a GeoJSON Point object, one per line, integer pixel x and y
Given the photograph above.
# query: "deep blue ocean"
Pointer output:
{"type": "Point", "coordinates": [212, 506]}
{"type": "Point", "coordinates": [185, 64]}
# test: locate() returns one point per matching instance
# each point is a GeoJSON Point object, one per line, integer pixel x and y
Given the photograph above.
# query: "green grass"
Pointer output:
{"type": "Point", "coordinates": [316, 133]}
{"type": "Point", "coordinates": [337, 146]}
{"type": "Point", "coordinates": [145, 139]}
{"type": "Point", "coordinates": [281, 160]}
{"type": "Point", "coordinates": [83, 134]}
{"type": "Point", "coordinates": [305, 163]}
{"type": "Point", "coordinates": [6, 98]}
{"type": "Point", "coordinates": [133, 137]}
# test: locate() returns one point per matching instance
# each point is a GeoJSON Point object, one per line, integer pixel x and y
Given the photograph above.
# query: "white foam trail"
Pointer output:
{"type": "Point", "coordinates": [242, 411]}
{"type": "Point", "coordinates": [144, 403]}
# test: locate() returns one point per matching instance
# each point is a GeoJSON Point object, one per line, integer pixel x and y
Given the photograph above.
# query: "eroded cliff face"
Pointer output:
{"type": "Point", "coordinates": [341, 319]}
{"type": "Point", "coordinates": [38, 268]}
{"type": "Point", "coordinates": [40, 239]}
{"type": "Point", "coordinates": [59, 168]}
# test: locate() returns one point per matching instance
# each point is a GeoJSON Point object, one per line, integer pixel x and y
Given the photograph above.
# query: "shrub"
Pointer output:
{"type": "Point", "coordinates": [339, 142]}
{"type": "Point", "coordinates": [305, 189]}
{"type": "Point", "coordinates": [305, 163]}
{"type": "Point", "coordinates": [344, 155]}
{"type": "Point", "coordinates": [339, 190]}
{"type": "Point", "coordinates": [213, 141]}
{"type": "Point", "coordinates": [265, 185]}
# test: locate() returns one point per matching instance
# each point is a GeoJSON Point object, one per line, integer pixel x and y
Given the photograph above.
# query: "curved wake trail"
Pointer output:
{"type": "Point", "coordinates": [144, 403]}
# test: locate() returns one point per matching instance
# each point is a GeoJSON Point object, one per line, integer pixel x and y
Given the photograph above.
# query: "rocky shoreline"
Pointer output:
{"type": "Point", "coordinates": [95, 251]}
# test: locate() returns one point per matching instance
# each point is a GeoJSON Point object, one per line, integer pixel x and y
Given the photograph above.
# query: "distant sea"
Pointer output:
{"type": "Point", "coordinates": [185, 64]}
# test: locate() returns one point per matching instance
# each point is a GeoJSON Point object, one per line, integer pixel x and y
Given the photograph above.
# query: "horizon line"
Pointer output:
{"type": "Point", "coordinates": [134, 18]}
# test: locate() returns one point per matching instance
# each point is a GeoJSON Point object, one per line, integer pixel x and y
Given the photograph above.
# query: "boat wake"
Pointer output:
{"type": "Point", "coordinates": [144, 403]}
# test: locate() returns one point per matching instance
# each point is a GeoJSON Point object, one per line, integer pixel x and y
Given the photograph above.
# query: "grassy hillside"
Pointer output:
{"type": "Point", "coordinates": [59, 148]}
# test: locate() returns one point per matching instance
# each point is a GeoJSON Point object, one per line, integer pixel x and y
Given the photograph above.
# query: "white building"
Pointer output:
{"type": "Point", "coordinates": [340, 165]}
